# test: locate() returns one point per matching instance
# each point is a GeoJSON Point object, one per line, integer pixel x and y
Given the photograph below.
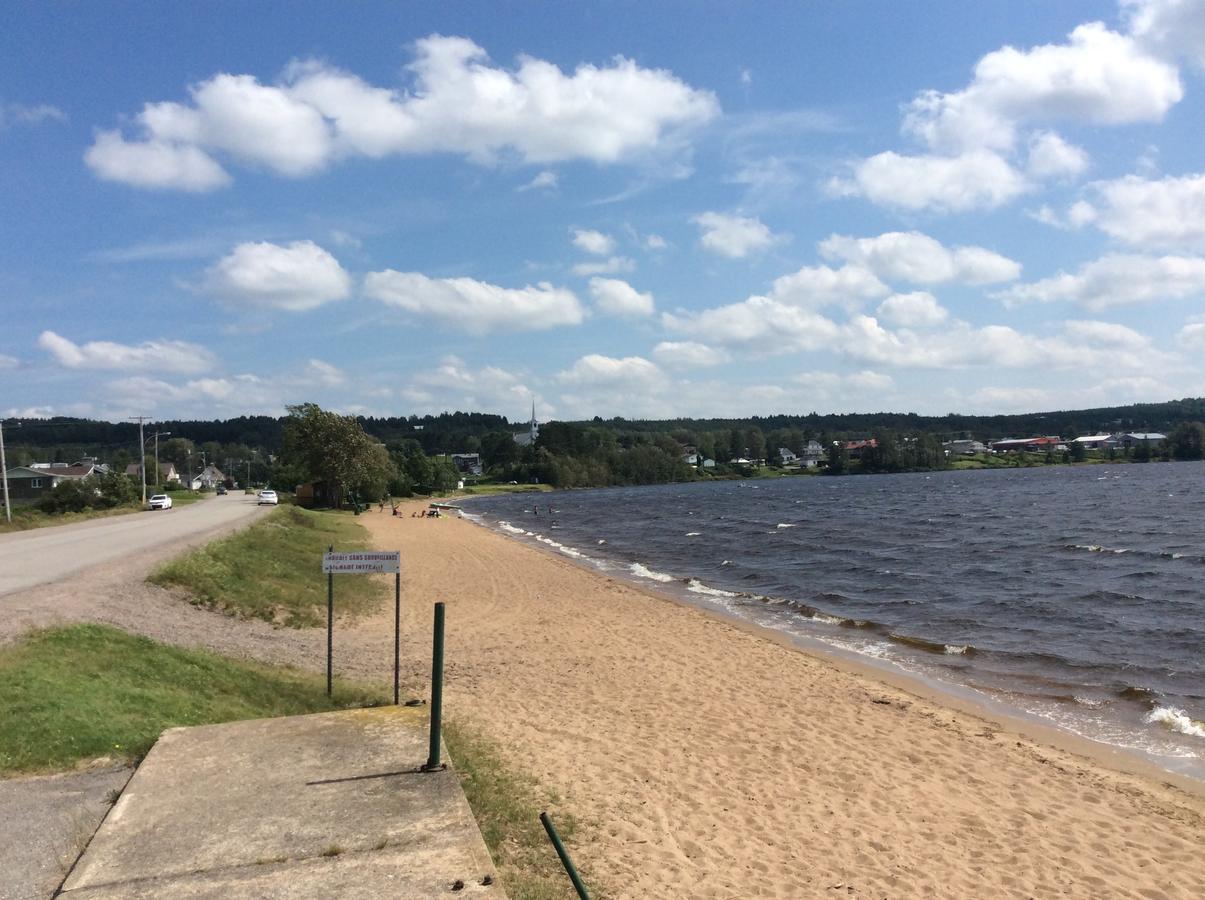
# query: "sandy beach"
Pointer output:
{"type": "Point", "coordinates": [707, 759]}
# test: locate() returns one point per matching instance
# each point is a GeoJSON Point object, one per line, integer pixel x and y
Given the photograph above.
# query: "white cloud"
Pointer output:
{"type": "Point", "coordinates": [595, 369]}
{"type": "Point", "coordinates": [655, 242]}
{"type": "Point", "coordinates": [475, 306]}
{"type": "Point", "coordinates": [1116, 280]}
{"type": "Point", "coordinates": [30, 115]}
{"type": "Point", "coordinates": [165, 356]}
{"type": "Point", "coordinates": [8, 362]}
{"type": "Point", "coordinates": [611, 266]}
{"type": "Point", "coordinates": [689, 355]}
{"type": "Point", "coordinates": [815, 286]}
{"type": "Point", "coordinates": [1160, 213]}
{"type": "Point", "coordinates": [916, 310]}
{"type": "Point", "coordinates": [593, 241]}
{"type": "Point", "coordinates": [733, 236]}
{"type": "Point", "coordinates": [454, 384]}
{"type": "Point", "coordinates": [918, 258]}
{"type": "Point", "coordinates": [1107, 334]}
{"type": "Point", "coordinates": [544, 181]}
{"type": "Point", "coordinates": [760, 325]}
{"type": "Point", "coordinates": [296, 277]}
{"type": "Point", "coordinates": [1052, 157]}
{"type": "Point", "coordinates": [457, 103]}
{"type": "Point", "coordinates": [978, 179]}
{"type": "Point", "coordinates": [618, 298]}
{"type": "Point", "coordinates": [1098, 76]}
{"type": "Point", "coordinates": [324, 373]}
{"type": "Point", "coordinates": [1169, 28]}
{"type": "Point", "coordinates": [834, 389]}
{"type": "Point", "coordinates": [154, 164]}
{"type": "Point", "coordinates": [1192, 336]}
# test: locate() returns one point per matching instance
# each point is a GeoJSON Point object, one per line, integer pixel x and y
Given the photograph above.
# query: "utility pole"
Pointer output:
{"type": "Point", "coordinates": [8, 510]}
{"type": "Point", "coordinates": [142, 454]}
{"type": "Point", "coordinates": [158, 479]}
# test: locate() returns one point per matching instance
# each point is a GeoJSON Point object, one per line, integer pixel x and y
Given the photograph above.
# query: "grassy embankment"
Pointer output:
{"type": "Point", "coordinates": [83, 692]}
{"type": "Point", "coordinates": [273, 569]}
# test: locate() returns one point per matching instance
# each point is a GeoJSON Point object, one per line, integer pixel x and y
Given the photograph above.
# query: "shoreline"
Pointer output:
{"type": "Point", "coordinates": [710, 758]}
{"type": "Point", "coordinates": [960, 698]}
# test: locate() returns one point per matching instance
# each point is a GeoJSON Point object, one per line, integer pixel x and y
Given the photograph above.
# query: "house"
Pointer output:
{"type": "Point", "coordinates": [28, 484]}
{"type": "Point", "coordinates": [812, 454]}
{"type": "Point", "coordinates": [1031, 445]}
{"type": "Point", "coordinates": [1096, 441]}
{"type": "Point", "coordinates": [707, 463]}
{"type": "Point", "coordinates": [468, 463]}
{"type": "Point", "coordinates": [965, 447]}
{"type": "Point", "coordinates": [209, 478]}
{"type": "Point", "coordinates": [855, 449]}
{"type": "Point", "coordinates": [167, 472]}
{"type": "Point", "coordinates": [1145, 438]}
{"type": "Point", "coordinates": [690, 456]}
{"type": "Point", "coordinates": [787, 456]}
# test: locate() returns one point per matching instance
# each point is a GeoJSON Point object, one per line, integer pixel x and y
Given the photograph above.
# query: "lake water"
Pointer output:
{"type": "Point", "coordinates": [1074, 594]}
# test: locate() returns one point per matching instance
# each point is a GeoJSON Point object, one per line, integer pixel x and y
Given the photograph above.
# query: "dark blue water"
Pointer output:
{"type": "Point", "coordinates": [1075, 594]}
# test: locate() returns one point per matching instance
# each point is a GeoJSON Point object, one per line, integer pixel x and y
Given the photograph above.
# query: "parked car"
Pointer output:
{"type": "Point", "coordinates": [160, 501]}
{"type": "Point", "coordinates": [267, 497]}
{"type": "Point", "coordinates": [221, 489]}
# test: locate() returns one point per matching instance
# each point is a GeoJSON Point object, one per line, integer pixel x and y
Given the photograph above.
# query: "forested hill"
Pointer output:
{"type": "Point", "coordinates": [452, 431]}
{"type": "Point", "coordinates": [1065, 423]}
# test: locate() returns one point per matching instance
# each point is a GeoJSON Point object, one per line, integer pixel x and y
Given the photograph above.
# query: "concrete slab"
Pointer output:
{"type": "Point", "coordinates": [308, 806]}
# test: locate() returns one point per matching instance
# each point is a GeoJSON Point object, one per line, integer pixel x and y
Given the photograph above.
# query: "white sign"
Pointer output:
{"type": "Point", "coordinates": [361, 563]}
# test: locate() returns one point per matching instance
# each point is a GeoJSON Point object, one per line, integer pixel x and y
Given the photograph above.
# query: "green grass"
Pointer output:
{"type": "Point", "coordinates": [507, 808]}
{"type": "Point", "coordinates": [484, 489]}
{"type": "Point", "coordinates": [273, 569]}
{"type": "Point", "coordinates": [182, 497]}
{"type": "Point", "coordinates": [86, 691]}
{"type": "Point", "coordinates": [26, 517]}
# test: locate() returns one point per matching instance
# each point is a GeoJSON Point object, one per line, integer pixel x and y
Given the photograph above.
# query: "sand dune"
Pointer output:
{"type": "Point", "coordinates": [708, 760]}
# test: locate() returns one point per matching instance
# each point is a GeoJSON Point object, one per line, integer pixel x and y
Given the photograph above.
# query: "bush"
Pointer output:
{"type": "Point", "coordinates": [65, 497]}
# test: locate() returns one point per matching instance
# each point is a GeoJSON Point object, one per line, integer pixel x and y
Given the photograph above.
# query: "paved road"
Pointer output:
{"type": "Point", "coordinates": [43, 555]}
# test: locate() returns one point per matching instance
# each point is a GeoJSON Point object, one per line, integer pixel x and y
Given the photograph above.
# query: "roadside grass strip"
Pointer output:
{"type": "Point", "coordinates": [273, 570]}
{"type": "Point", "coordinates": [507, 808]}
{"type": "Point", "coordinates": [27, 517]}
{"type": "Point", "coordinates": [84, 692]}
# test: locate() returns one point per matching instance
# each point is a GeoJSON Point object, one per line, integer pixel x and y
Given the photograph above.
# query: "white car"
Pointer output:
{"type": "Point", "coordinates": [267, 497]}
{"type": "Point", "coordinates": [160, 501]}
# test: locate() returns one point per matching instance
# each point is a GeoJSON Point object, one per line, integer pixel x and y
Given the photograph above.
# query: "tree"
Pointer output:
{"type": "Point", "coordinates": [838, 458]}
{"type": "Point", "coordinates": [1187, 441]}
{"type": "Point", "coordinates": [333, 448]}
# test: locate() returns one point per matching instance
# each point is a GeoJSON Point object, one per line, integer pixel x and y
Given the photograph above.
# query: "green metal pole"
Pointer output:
{"type": "Point", "coordinates": [330, 623]}
{"type": "Point", "coordinates": [563, 854]}
{"type": "Point", "coordinates": [437, 687]}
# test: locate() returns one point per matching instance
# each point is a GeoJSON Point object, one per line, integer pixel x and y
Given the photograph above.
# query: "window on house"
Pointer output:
{"type": "Point", "coordinates": [35, 482]}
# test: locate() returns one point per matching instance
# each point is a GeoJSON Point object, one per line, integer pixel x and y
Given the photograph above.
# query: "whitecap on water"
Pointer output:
{"type": "Point", "coordinates": [1176, 720]}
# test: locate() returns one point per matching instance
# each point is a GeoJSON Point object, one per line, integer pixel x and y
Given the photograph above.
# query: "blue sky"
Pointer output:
{"type": "Point", "coordinates": [645, 210]}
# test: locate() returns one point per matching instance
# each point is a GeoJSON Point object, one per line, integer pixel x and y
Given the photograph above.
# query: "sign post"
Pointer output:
{"type": "Point", "coordinates": [364, 562]}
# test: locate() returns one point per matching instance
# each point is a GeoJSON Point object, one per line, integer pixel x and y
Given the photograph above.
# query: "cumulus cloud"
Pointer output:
{"type": "Point", "coordinates": [689, 355]}
{"type": "Point", "coordinates": [1151, 213]}
{"type": "Point", "coordinates": [760, 325]}
{"type": "Point", "coordinates": [610, 266]}
{"type": "Point", "coordinates": [916, 310]}
{"type": "Point", "coordinates": [918, 258]}
{"type": "Point", "coordinates": [1116, 280]}
{"type": "Point", "coordinates": [457, 102]}
{"type": "Point", "coordinates": [324, 373]}
{"type": "Point", "coordinates": [977, 179]}
{"type": "Point", "coordinates": [618, 298]}
{"type": "Point", "coordinates": [1098, 77]}
{"type": "Point", "coordinates": [816, 286]}
{"type": "Point", "coordinates": [165, 356]}
{"type": "Point", "coordinates": [1169, 28]}
{"type": "Point", "coordinates": [1052, 157]}
{"type": "Point", "coordinates": [296, 277]}
{"type": "Point", "coordinates": [8, 362]}
{"type": "Point", "coordinates": [455, 384]}
{"type": "Point", "coordinates": [475, 306]}
{"type": "Point", "coordinates": [593, 241]}
{"type": "Point", "coordinates": [655, 242]}
{"type": "Point", "coordinates": [733, 236]}
{"type": "Point", "coordinates": [595, 369]}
